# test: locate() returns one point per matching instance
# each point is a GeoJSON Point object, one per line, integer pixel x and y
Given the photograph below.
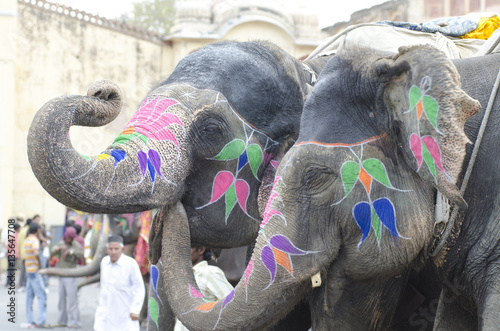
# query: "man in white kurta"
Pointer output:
{"type": "Point", "coordinates": [122, 290]}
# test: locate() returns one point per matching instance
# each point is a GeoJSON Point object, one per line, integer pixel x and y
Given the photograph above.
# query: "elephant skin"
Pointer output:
{"type": "Point", "coordinates": [353, 200]}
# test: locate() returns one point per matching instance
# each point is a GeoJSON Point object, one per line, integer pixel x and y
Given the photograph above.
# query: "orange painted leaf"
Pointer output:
{"type": "Point", "coordinates": [206, 306]}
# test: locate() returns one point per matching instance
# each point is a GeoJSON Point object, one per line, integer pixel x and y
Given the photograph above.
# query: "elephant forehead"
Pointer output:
{"type": "Point", "coordinates": [191, 102]}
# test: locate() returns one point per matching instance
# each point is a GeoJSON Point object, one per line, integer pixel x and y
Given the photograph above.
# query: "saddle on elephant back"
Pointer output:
{"type": "Point", "coordinates": [457, 37]}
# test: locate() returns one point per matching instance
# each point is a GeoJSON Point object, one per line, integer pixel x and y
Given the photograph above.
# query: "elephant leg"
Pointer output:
{"type": "Point", "coordinates": [451, 313]}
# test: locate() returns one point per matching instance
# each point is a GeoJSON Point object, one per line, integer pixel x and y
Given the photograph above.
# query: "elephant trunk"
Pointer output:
{"type": "Point", "coordinates": [251, 305]}
{"type": "Point", "coordinates": [106, 183]}
{"type": "Point", "coordinates": [93, 267]}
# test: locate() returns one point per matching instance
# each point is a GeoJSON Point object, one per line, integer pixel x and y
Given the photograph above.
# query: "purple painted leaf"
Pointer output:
{"type": "Point", "coordinates": [362, 214]}
{"type": "Point", "coordinates": [154, 278]}
{"type": "Point", "coordinates": [434, 150]}
{"type": "Point", "coordinates": [385, 212]}
{"type": "Point", "coordinates": [269, 261]}
{"type": "Point", "coordinates": [223, 180]}
{"type": "Point", "coordinates": [285, 245]}
{"type": "Point", "coordinates": [228, 299]}
{"type": "Point", "coordinates": [416, 147]}
{"type": "Point", "coordinates": [155, 159]}
{"type": "Point", "coordinates": [143, 161]}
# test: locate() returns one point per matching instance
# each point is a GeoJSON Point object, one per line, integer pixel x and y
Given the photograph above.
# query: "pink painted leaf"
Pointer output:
{"type": "Point", "coordinates": [269, 214]}
{"type": "Point", "coordinates": [161, 134]}
{"type": "Point", "coordinates": [416, 147]}
{"type": "Point", "coordinates": [195, 293]}
{"type": "Point", "coordinates": [248, 271]}
{"type": "Point", "coordinates": [434, 150]}
{"type": "Point", "coordinates": [242, 191]}
{"type": "Point", "coordinates": [223, 180]}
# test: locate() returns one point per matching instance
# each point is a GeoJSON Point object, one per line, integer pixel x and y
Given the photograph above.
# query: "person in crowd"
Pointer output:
{"type": "Point", "coordinates": [210, 279]}
{"type": "Point", "coordinates": [23, 233]}
{"type": "Point", "coordinates": [35, 285]}
{"type": "Point", "coordinates": [68, 251]}
{"type": "Point", "coordinates": [122, 290]}
{"type": "Point", "coordinates": [44, 248]}
{"type": "Point", "coordinates": [79, 239]}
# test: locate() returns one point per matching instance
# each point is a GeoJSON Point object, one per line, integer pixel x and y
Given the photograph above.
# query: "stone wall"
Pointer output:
{"type": "Point", "coordinates": [64, 54]}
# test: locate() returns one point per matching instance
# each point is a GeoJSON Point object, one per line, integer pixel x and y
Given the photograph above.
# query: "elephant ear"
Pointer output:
{"type": "Point", "coordinates": [428, 110]}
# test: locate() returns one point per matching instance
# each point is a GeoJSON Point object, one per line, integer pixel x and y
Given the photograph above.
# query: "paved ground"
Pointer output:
{"type": "Point", "coordinates": [88, 297]}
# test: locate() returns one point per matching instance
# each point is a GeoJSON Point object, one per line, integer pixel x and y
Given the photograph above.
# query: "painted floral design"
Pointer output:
{"type": "Point", "coordinates": [150, 122]}
{"type": "Point", "coordinates": [370, 214]}
{"type": "Point", "coordinates": [425, 148]}
{"type": "Point", "coordinates": [226, 183]}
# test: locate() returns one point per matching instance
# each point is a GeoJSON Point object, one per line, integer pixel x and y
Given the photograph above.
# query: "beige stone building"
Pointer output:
{"type": "Point", "coordinates": [48, 50]}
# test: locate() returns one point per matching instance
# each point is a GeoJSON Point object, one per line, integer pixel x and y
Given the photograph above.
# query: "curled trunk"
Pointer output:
{"type": "Point", "coordinates": [102, 184]}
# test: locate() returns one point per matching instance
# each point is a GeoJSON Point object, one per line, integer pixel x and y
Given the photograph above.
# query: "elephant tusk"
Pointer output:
{"type": "Point", "coordinates": [316, 280]}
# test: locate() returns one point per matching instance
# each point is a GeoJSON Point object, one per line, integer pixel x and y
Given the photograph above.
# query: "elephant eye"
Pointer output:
{"type": "Point", "coordinates": [316, 177]}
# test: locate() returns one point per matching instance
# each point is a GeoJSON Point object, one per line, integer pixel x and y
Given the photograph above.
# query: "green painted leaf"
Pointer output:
{"type": "Point", "coordinates": [231, 151]}
{"type": "Point", "coordinates": [85, 157]}
{"type": "Point", "coordinates": [123, 138]}
{"type": "Point", "coordinates": [415, 96]}
{"type": "Point", "coordinates": [429, 160]}
{"type": "Point", "coordinates": [154, 310]}
{"type": "Point", "coordinates": [376, 169]}
{"type": "Point", "coordinates": [230, 199]}
{"type": "Point", "coordinates": [431, 109]}
{"type": "Point", "coordinates": [376, 224]}
{"type": "Point", "coordinates": [254, 153]}
{"type": "Point", "coordinates": [349, 173]}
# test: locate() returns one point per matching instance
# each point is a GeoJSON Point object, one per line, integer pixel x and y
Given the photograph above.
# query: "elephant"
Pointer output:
{"type": "Point", "coordinates": [352, 209]}
{"type": "Point", "coordinates": [209, 136]}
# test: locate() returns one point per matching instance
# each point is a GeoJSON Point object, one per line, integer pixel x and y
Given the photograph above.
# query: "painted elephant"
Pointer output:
{"type": "Point", "coordinates": [209, 136]}
{"type": "Point", "coordinates": [353, 203]}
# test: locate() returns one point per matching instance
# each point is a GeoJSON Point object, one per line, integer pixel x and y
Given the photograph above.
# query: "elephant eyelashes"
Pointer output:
{"type": "Point", "coordinates": [317, 178]}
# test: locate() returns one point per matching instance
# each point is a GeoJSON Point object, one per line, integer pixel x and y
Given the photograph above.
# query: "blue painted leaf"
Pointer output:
{"type": "Point", "coordinates": [385, 211]}
{"type": "Point", "coordinates": [285, 245]}
{"type": "Point", "coordinates": [118, 154]}
{"type": "Point", "coordinates": [242, 160]}
{"type": "Point", "coordinates": [362, 215]}
{"type": "Point", "coordinates": [154, 278]}
{"type": "Point", "coordinates": [152, 171]}
{"type": "Point", "coordinates": [269, 261]}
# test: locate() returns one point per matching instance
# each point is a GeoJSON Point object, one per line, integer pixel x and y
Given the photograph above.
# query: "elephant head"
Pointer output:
{"type": "Point", "coordinates": [353, 199]}
{"type": "Point", "coordinates": [205, 136]}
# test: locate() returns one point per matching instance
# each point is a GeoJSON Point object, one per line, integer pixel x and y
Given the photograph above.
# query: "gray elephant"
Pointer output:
{"type": "Point", "coordinates": [210, 136]}
{"type": "Point", "coordinates": [353, 204]}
